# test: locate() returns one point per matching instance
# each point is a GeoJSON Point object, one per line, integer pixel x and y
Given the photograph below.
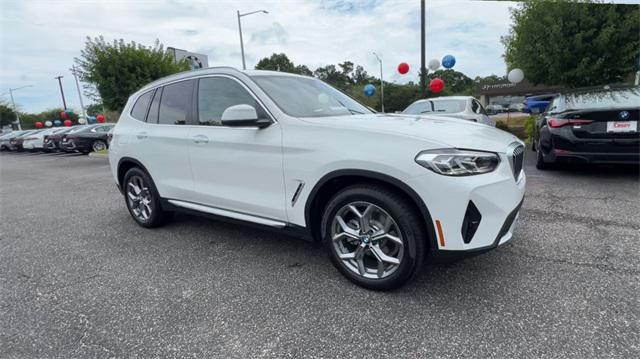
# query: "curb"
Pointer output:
{"type": "Point", "coordinates": [98, 155]}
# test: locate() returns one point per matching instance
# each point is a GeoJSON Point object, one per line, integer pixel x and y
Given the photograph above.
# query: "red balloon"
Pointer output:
{"type": "Point", "coordinates": [67, 123]}
{"type": "Point", "coordinates": [100, 118]}
{"type": "Point", "coordinates": [436, 85]}
{"type": "Point", "coordinates": [403, 68]}
{"type": "Point", "coordinates": [63, 115]}
{"type": "Point", "coordinates": [38, 124]}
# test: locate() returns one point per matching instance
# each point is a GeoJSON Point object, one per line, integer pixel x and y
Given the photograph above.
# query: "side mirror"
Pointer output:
{"type": "Point", "coordinates": [243, 116]}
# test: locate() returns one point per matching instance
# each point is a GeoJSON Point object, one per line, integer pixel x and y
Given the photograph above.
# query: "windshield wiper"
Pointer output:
{"type": "Point", "coordinates": [354, 111]}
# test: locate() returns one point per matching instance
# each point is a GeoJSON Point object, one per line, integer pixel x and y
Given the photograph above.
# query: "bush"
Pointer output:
{"type": "Point", "coordinates": [529, 127]}
{"type": "Point", "coordinates": [502, 125]}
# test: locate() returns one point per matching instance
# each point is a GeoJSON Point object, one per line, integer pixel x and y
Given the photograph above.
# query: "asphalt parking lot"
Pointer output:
{"type": "Point", "coordinates": [79, 279]}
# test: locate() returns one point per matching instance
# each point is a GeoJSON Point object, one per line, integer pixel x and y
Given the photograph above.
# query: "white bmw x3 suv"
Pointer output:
{"type": "Point", "coordinates": [291, 152]}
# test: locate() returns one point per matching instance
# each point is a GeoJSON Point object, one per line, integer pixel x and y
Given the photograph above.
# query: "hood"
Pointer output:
{"type": "Point", "coordinates": [444, 131]}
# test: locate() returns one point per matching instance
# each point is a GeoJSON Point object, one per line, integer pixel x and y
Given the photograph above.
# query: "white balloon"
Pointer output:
{"type": "Point", "coordinates": [82, 120]}
{"type": "Point", "coordinates": [515, 76]}
{"type": "Point", "coordinates": [48, 123]}
{"type": "Point", "coordinates": [434, 64]}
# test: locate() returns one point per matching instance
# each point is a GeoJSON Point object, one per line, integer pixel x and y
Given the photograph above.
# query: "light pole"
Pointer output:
{"type": "Point", "coordinates": [244, 65]}
{"type": "Point", "coordinates": [73, 71]}
{"type": "Point", "coordinates": [64, 103]}
{"type": "Point", "coordinates": [15, 109]}
{"type": "Point", "coordinates": [381, 83]}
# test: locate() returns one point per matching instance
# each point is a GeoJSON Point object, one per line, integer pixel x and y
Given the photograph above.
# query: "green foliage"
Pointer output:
{"type": "Point", "coordinates": [94, 109]}
{"type": "Point", "coordinates": [7, 115]}
{"type": "Point", "coordinates": [455, 82]}
{"type": "Point", "coordinates": [502, 125]}
{"type": "Point", "coordinates": [118, 69]}
{"type": "Point", "coordinates": [530, 126]}
{"type": "Point", "coordinates": [280, 62]}
{"type": "Point", "coordinates": [573, 43]}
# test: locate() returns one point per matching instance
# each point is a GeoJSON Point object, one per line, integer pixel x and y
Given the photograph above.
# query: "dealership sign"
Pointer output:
{"type": "Point", "coordinates": [505, 87]}
{"type": "Point", "coordinates": [196, 61]}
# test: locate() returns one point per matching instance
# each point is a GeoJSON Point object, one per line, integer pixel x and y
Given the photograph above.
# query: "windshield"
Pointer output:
{"type": "Point", "coordinates": [308, 97]}
{"type": "Point", "coordinates": [441, 106]}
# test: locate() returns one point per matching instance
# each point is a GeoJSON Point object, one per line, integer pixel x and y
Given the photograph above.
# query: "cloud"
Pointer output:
{"type": "Point", "coordinates": [39, 41]}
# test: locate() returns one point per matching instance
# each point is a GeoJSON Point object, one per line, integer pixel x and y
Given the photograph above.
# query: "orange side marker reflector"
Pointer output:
{"type": "Point", "coordinates": [440, 235]}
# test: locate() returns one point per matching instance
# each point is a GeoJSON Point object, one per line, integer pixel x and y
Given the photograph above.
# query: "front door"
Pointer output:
{"type": "Point", "coordinates": [235, 168]}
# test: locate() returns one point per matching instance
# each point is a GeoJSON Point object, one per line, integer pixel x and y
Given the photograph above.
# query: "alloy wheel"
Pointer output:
{"type": "Point", "coordinates": [99, 146]}
{"type": "Point", "coordinates": [139, 198]}
{"type": "Point", "coordinates": [367, 240]}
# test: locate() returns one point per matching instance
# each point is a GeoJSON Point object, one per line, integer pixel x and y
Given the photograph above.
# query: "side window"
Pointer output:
{"type": "Point", "coordinates": [152, 116]}
{"type": "Point", "coordinates": [480, 108]}
{"type": "Point", "coordinates": [175, 103]}
{"type": "Point", "coordinates": [474, 106]}
{"type": "Point", "coordinates": [139, 110]}
{"type": "Point", "coordinates": [216, 94]}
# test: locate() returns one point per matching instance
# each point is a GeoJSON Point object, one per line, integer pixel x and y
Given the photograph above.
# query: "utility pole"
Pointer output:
{"type": "Point", "coordinates": [381, 84]}
{"type": "Point", "coordinates": [15, 109]}
{"type": "Point", "coordinates": [64, 103]}
{"type": "Point", "coordinates": [73, 71]}
{"type": "Point", "coordinates": [423, 44]}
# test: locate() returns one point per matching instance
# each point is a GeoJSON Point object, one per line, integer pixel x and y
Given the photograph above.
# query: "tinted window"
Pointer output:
{"type": "Point", "coordinates": [442, 106]}
{"type": "Point", "coordinates": [216, 94]}
{"type": "Point", "coordinates": [140, 108]}
{"type": "Point", "coordinates": [475, 107]}
{"type": "Point", "coordinates": [175, 103]}
{"type": "Point", "coordinates": [152, 117]}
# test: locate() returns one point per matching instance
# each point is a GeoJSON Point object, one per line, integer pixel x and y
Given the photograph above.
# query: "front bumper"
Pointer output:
{"type": "Point", "coordinates": [497, 197]}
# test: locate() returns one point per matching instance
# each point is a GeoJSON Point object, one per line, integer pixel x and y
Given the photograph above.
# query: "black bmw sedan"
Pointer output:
{"type": "Point", "coordinates": [86, 138]}
{"type": "Point", "coordinates": [593, 126]}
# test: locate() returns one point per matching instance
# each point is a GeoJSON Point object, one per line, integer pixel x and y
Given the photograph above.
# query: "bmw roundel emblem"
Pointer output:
{"type": "Point", "coordinates": [624, 115]}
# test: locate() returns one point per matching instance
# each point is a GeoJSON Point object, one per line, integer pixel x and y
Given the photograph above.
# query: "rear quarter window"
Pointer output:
{"type": "Point", "coordinates": [139, 110]}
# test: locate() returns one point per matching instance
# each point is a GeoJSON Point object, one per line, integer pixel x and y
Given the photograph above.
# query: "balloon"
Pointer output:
{"type": "Point", "coordinates": [38, 124]}
{"type": "Point", "coordinates": [436, 85]}
{"type": "Point", "coordinates": [100, 118]}
{"type": "Point", "coordinates": [515, 76]}
{"type": "Point", "coordinates": [82, 120]}
{"type": "Point", "coordinates": [448, 61]}
{"type": "Point", "coordinates": [67, 123]}
{"type": "Point", "coordinates": [403, 68]}
{"type": "Point", "coordinates": [48, 123]}
{"type": "Point", "coordinates": [91, 119]}
{"type": "Point", "coordinates": [434, 64]}
{"type": "Point", "coordinates": [369, 90]}
{"type": "Point", "coordinates": [68, 111]}
{"type": "Point", "coordinates": [63, 115]}
{"type": "Point", "coordinates": [57, 123]}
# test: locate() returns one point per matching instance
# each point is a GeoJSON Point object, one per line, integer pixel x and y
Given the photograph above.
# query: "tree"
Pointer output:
{"type": "Point", "coordinates": [280, 62]}
{"type": "Point", "coordinates": [118, 69]}
{"type": "Point", "coordinates": [94, 109]}
{"type": "Point", "coordinates": [7, 115]}
{"type": "Point", "coordinates": [455, 82]}
{"type": "Point", "coordinates": [573, 43]}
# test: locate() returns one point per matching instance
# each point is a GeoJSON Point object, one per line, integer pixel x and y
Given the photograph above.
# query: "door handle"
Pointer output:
{"type": "Point", "coordinates": [200, 139]}
{"type": "Point", "coordinates": [141, 135]}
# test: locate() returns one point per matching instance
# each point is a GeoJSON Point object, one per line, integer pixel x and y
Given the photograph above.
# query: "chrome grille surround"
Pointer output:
{"type": "Point", "coordinates": [515, 154]}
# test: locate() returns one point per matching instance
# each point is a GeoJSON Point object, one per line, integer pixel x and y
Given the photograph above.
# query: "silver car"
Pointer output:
{"type": "Point", "coordinates": [464, 107]}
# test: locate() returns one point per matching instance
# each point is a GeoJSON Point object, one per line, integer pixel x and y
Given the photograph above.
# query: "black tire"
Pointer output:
{"type": "Point", "coordinates": [409, 224]}
{"type": "Point", "coordinates": [158, 216]}
{"type": "Point", "coordinates": [540, 163]}
{"type": "Point", "coordinates": [100, 144]}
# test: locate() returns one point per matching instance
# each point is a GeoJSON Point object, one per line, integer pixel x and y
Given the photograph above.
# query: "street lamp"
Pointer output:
{"type": "Point", "coordinates": [381, 83]}
{"type": "Point", "coordinates": [244, 65]}
{"type": "Point", "coordinates": [15, 109]}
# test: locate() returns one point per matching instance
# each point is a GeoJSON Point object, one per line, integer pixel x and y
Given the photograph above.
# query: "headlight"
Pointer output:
{"type": "Point", "coordinates": [455, 162]}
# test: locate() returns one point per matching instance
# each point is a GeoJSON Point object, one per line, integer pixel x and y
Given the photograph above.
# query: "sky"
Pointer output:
{"type": "Point", "coordinates": [40, 39]}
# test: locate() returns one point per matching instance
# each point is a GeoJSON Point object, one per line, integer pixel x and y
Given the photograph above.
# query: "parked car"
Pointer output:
{"type": "Point", "coordinates": [5, 140]}
{"type": "Point", "coordinates": [293, 153]}
{"type": "Point", "coordinates": [537, 104]}
{"type": "Point", "coordinates": [464, 107]}
{"type": "Point", "coordinates": [594, 126]}
{"type": "Point", "coordinates": [52, 141]}
{"type": "Point", "coordinates": [86, 138]}
{"type": "Point", "coordinates": [16, 142]}
{"type": "Point", "coordinates": [35, 141]}
{"type": "Point", "coordinates": [494, 109]}
{"type": "Point", "coordinates": [515, 107]}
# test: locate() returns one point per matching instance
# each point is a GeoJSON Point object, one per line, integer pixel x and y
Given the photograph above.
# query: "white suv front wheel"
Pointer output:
{"type": "Point", "coordinates": [374, 236]}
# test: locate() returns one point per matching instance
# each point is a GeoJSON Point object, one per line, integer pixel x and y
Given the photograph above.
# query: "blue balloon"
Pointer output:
{"type": "Point", "coordinates": [68, 112]}
{"type": "Point", "coordinates": [57, 123]}
{"type": "Point", "coordinates": [369, 90]}
{"type": "Point", "coordinates": [448, 61]}
{"type": "Point", "coordinates": [91, 119]}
